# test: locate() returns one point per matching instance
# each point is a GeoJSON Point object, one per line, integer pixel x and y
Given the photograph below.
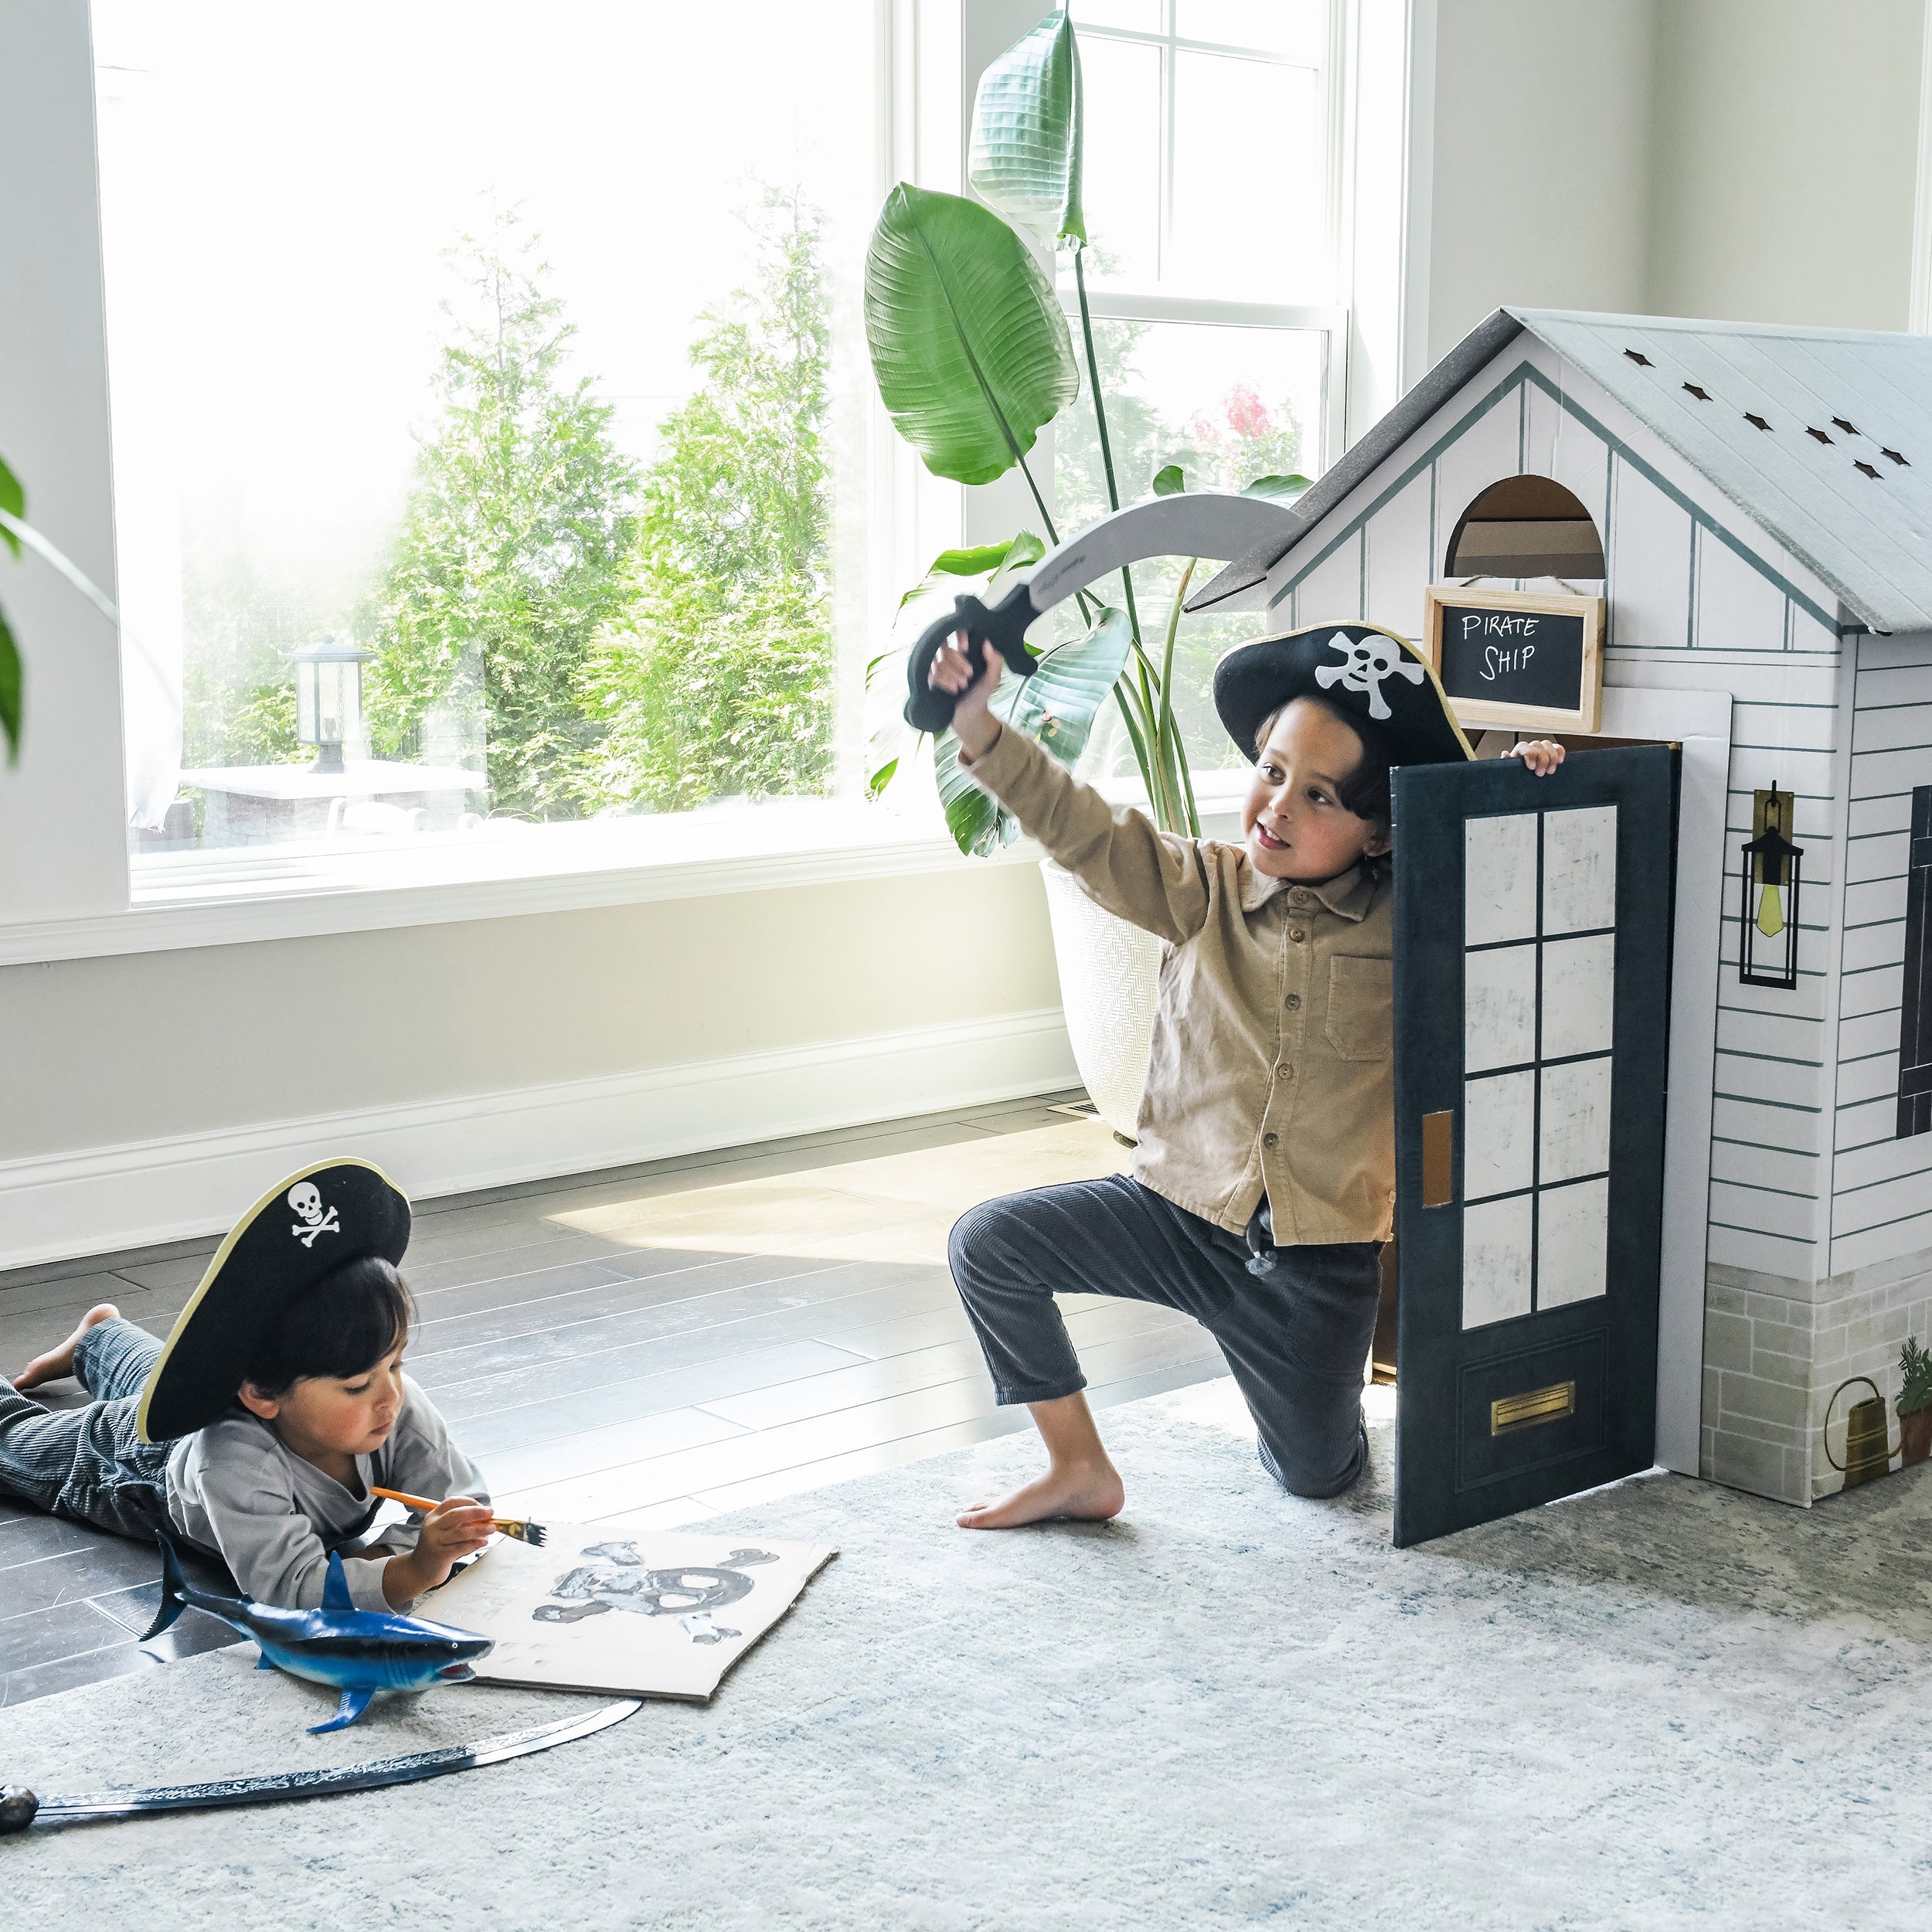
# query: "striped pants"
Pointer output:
{"type": "Point", "coordinates": [91, 1464]}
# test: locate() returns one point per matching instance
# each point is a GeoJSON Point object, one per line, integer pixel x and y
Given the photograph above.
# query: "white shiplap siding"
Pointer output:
{"type": "Point", "coordinates": [1882, 1195]}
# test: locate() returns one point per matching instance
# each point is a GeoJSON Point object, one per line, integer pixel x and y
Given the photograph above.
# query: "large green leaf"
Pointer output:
{"type": "Point", "coordinates": [9, 691]}
{"type": "Point", "coordinates": [1025, 154]}
{"type": "Point", "coordinates": [980, 560]}
{"type": "Point", "coordinates": [13, 500]}
{"type": "Point", "coordinates": [1056, 704]}
{"type": "Point", "coordinates": [1283, 488]}
{"type": "Point", "coordinates": [969, 348]}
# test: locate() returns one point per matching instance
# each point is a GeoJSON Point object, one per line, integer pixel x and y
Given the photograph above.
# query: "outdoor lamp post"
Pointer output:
{"type": "Point", "coordinates": [329, 698]}
{"type": "Point", "coordinates": [1767, 937]}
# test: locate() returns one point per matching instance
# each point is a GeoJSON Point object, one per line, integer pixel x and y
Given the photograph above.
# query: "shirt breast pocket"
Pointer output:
{"type": "Point", "coordinates": [1360, 1008]}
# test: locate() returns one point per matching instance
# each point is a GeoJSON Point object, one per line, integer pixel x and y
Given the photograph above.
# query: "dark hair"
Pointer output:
{"type": "Point", "coordinates": [1364, 791]}
{"type": "Point", "coordinates": [342, 1327]}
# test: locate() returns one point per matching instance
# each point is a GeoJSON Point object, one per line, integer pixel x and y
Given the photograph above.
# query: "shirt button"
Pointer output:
{"type": "Point", "coordinates": [1297, 935]}
{"type": "Point", "coordinates": [1297, 897]}
{"type": "Point", "coordinates": [1285, 1072]}
{"type": "Point", "coordinates": [1295, 1002]}
{"type": "Point", "coordinates": [1270, 1140]}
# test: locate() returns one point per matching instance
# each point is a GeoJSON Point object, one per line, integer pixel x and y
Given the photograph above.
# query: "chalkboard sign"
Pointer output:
{"type": "Point", "coordinates": [1517, 657]}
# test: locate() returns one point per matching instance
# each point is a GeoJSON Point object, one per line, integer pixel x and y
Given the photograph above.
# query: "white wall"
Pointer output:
{"type": "Point", "coordinates": [1741, 160]}
{"type": "Point", "coordinates": [1541, 185]}
{"type": "Point", "coordinates": [1786, 160]}
{"type": "Point", "coordinates": [53, 435]}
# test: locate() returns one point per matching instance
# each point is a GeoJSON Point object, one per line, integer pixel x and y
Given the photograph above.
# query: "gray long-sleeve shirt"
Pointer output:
{"type": "Point", "coordinates": [233, 1488]}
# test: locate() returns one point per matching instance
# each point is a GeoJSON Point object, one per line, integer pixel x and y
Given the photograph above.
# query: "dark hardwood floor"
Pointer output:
{"type": "Point", "coordinates": [645, 1347]}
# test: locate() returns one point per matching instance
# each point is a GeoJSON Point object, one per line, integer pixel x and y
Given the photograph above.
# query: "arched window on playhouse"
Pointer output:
{"type": "Point", "coordinates": [1526, 526]}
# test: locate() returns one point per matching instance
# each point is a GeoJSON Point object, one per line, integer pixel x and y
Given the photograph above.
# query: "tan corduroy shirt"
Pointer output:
{"type": "Point", "coordinates": [1272, 1063]}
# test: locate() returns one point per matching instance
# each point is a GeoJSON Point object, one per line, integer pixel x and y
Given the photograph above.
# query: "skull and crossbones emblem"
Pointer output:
{"type": "Point", "coordinates": [306, 1198]}
{"type": "Point", "coordinates": [1370, 659]}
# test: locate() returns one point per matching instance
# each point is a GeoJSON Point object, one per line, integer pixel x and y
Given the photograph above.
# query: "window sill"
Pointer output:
{"type": "Point", "coordinates": [320, 887]}
{"type": "Point", "coordinates": [303, 889]}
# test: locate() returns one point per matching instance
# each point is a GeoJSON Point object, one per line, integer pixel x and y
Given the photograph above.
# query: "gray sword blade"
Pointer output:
{"type": "Point", "coordinates": [281, 1787]}
{"type": "Point", "coordinates": [1205, 524]}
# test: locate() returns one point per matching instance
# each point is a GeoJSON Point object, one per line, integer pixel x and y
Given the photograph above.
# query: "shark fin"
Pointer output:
{"type": "Point", "coordinates": [353, 1705]}
{"type": "Point", "coordinates": [335, 1591]}
{"type": "Point", "coordinates": [264, 1661]}
{"type": "Point", "coordinates": [172, 1602]}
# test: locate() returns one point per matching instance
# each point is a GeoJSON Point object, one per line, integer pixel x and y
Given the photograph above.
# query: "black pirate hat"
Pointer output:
{"type": "Point", "coordinates": [1367, 672]}
{"type": "Point", "coordinates": [307, 1227]}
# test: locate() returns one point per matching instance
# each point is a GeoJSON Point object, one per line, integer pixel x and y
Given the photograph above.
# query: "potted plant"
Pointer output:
{"type": "Point", "coordinates": [1914, 1404]}
{"type": "Point", "coordinates": [973, 357]}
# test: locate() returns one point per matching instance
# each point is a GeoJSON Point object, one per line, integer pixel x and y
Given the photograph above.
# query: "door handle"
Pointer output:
{"type": "Point", "coordinates": [1438, 1159]}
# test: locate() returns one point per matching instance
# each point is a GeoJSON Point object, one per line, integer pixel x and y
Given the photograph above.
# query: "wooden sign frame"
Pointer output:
{"type": "Point", "coordinates": [1436, 597]}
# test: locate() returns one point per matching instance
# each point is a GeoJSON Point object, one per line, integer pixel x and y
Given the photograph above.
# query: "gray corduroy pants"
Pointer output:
{"type": "Point", "coordinates": [1297, 1337]}
{"type": "Point", "coordinates": [91, 1464]}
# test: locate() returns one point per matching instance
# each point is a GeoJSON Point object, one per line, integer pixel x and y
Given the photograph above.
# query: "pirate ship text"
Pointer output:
{"type": "Point", "coordinates": [1517, 658]}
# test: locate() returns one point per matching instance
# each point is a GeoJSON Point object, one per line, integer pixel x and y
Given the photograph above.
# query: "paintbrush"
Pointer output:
{"type": "Point", "coordinates": [525, 1533]}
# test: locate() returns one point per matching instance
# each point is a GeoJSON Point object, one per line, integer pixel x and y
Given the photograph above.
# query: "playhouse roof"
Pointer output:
{"type": "Point", "coordinates": [1822, 437]}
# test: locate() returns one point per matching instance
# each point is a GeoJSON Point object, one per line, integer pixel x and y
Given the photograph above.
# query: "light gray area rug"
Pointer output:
{"type": "Point", "coordinates": [1659, 1705]}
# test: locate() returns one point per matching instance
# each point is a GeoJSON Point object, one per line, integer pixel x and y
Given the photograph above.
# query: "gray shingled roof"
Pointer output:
{"type": "Point", "coordinates": [1866, 532]}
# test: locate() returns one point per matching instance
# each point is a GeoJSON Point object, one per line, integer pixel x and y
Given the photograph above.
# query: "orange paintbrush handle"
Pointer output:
{"type": "Point", "coordinates": [397, 1495]}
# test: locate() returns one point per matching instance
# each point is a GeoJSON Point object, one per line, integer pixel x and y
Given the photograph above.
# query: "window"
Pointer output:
{"type": "Point", "coordinates": [1212, 179]}
{"type": "Point", "coordinates": [515, 355]}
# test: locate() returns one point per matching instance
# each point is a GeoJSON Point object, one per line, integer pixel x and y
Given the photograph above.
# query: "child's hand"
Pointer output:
{"type": "Point", "coordinates": [452, 1530]}
{"type": "Point", "coordinates": [974, 725]}
{"type": "Point", "coordinates": [1542, 755]}
{"type": "Point", "coordinates": [456, 1528]}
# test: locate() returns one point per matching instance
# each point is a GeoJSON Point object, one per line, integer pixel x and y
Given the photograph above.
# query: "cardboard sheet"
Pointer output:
{"type": "Point", "coordinates": [663, 1615]}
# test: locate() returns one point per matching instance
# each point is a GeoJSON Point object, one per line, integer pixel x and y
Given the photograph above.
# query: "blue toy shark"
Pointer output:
{"type": "Point", "coordinates": [359, 1652]}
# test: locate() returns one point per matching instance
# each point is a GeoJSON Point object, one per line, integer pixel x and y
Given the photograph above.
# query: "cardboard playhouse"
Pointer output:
{"type": "Point", "coordinates": [1716, 537]}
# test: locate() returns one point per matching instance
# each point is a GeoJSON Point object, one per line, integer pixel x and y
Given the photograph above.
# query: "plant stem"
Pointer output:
{"type": "Point", "coordinates": [1052, 536]}
{"type": "Point", "coordinates": [1170, 735]}
{"type": "Point", "coordinates": [1099, 423]}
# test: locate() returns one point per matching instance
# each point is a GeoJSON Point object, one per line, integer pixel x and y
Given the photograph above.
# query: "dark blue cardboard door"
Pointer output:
{"type": "Point", "coordinates": [1533, 991]}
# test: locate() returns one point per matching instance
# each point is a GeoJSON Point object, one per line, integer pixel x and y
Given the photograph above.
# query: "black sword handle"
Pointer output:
{"type": "Point", "coordinates": [18, 1806]}
{"type": "Point", "coordinates": [1003, 625]}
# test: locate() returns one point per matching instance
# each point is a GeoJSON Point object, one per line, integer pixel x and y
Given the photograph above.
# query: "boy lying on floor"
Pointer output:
{"type": "Point", "coordinates": [1263, 1181]}
{"type": "Point", "coordinates": [258, 1431]}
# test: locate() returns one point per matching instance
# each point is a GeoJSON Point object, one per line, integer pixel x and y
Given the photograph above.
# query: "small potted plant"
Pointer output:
{"type": "Point", "coordinates": [1914, 1404]}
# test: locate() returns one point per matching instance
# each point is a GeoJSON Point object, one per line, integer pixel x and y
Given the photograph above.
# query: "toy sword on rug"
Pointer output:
{"type": "Point", "coordinates": [19, 1808]}
{"type": "Point", "coordinates": [1187, 525]}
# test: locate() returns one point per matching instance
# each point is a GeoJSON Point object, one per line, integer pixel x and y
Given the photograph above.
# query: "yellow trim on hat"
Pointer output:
{"type": "Point", "coordinates": [222, 1253]}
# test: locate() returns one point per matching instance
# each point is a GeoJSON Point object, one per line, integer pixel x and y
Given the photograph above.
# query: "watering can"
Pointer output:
{"type": "Point", "coordinates": [1868, 1449]}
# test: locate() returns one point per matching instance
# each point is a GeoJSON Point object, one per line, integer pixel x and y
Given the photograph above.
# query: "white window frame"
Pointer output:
{"type": "Point", "coordinates": [67, 883]}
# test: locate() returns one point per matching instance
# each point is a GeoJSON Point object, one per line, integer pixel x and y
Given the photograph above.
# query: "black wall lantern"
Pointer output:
{"type": "Point", "coordinates": [1768, 939]}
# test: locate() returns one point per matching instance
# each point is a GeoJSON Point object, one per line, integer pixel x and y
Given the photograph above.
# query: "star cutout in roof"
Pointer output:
{"type": "Point", "coordinates": [1702, 395]}
{"type": "Point", "coordinates": [1820, 434]}
{"type": "Point", "coordinates": [1642, 362]}
{"type": "Point", "coordinates": [1850, 429]}
{"type": "Point", "coordinates": [1867, 470]}
{"type": "Point", "coordinates": [1895, 457]}
{"type": "Point", "coordinates": [1757, 422]}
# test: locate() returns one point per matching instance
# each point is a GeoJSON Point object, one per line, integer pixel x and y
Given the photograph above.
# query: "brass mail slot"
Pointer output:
{"type": "Point", "coordinates": [1538, 1405]}
{"type": "Point", "coordinates": [1438, 1159]}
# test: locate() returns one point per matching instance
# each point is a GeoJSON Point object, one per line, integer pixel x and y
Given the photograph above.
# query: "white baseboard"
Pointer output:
{"type": "Point", "coordinates": [100, 1200]}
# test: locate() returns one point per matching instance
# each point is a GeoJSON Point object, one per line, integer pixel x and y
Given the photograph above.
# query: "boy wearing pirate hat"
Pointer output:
{"type": "Point", "coordinates": [1263, 1180]}
{"type": "Point", "coordinates": [258, 1430]}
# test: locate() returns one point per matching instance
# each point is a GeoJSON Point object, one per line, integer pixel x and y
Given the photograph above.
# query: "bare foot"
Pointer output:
{"type": "Point", "coordinates": [57, 1362]}
{"type": "Point", "coordinates": [1089, 1491]}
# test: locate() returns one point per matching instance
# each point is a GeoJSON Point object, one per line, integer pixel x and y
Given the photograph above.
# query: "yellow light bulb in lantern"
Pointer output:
{"type": "Point", "coordinates": [1771, 912]}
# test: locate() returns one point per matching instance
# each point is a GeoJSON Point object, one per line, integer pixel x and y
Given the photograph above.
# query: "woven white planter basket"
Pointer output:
{"type": "Point", "coordinates": [1110, 975]}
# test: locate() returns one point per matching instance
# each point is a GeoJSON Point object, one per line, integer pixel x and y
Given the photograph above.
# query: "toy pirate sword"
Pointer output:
{"type": "Point", "coordinates": [1207, 524]}
{"type": "Point", "coordinates": [20, 1808]}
